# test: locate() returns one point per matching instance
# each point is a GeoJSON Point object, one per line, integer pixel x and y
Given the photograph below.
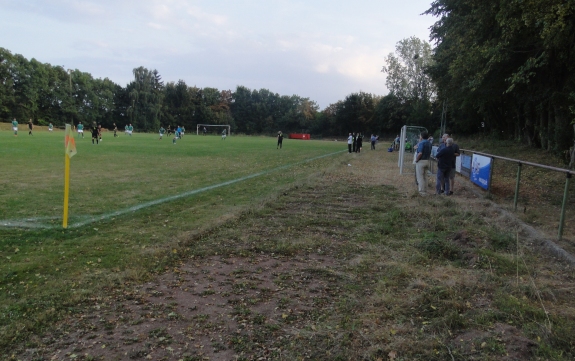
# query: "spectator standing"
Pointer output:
{"type": "Point", "coordinates": [445, 158]}
{"type": "Point", "coordinates": [349, 142]}
{"type": "Point", "coordinates": [359, 143]}
{"type": "Point", "coordinates": [456, 152]}
{"type": "Point", "coordinates": [354, 142]}
{"type": "Point", "coordinates": [422, 162]}
{"type": "Point", "coordinates": [440, 147]}
{"type": "Point", "coordinates": [396, 142]}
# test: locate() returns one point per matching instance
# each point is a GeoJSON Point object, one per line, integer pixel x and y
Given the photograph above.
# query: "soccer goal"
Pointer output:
{"type": "Point", "coordinates": [408, 140]}
{"type": "Point", "coordinates": [200, 128]}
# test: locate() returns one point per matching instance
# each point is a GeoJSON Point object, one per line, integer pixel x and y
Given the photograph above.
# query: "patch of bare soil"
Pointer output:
{"type": "Point", "coordinates": [345, 266]}
{"type": "Point", "coordinates": [210, 308]}
{"type": "Point", "coordinates": [503, 339]}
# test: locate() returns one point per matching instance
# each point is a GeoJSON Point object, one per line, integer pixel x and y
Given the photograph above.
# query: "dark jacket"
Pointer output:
{"type": "Point", "coordinates": [445, 158]}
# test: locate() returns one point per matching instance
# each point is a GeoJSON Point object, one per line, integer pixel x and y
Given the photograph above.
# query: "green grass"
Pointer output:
{"type": "Point", "coordinates": [357, 269]}
{"type": "Point", "coordinates": [47, 273]}
{"type": "Point", "coordinates": [126, 171]}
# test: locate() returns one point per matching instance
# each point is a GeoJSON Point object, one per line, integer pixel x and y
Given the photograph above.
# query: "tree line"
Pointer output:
{"type": "Point", "coordinates": [506, 67]}
{"type": "Point", "coordinates": [46, 94]}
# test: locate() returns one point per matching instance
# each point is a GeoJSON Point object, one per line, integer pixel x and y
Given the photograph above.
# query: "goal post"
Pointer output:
{"type": "Point", "coordinates": [200, 128]}
{"type": "Point", "coordinates": [408, 139]}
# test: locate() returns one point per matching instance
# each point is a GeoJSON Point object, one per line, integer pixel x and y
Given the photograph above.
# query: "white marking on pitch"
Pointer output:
{"type": "Point", "coordinates": [30, 222]}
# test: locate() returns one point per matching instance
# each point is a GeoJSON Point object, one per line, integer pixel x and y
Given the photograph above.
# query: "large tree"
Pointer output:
{"type": "Point", "coordinates": [508, 65]}
{"type": "Point", "coordinates": [408, 81]}
{"type": "Point", "coordinates": [146, 96]}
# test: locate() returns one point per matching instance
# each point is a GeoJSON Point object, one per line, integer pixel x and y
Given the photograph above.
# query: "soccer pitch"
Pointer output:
{"type": "Point", "coordinates": [125, 174]}
{"type": "Point", "coordinates": [135, 203]}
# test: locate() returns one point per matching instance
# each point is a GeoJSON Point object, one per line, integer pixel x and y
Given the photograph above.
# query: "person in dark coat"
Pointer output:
{"type": "Point", "coordinates": [445, 158]}
{"type": "Point", "coordinates": [359, 143]}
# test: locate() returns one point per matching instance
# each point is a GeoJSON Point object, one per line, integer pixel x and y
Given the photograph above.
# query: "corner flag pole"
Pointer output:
{"type": "Point", "coordinates": [66, 189]}
{"type": "Point", "coordinates": [70, 144]}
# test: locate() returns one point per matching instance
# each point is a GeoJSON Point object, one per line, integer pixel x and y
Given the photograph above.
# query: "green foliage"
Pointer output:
{"type": "Point", "coordinates": [32, 90]}
{"type": "Point", "coordinates": [507, 67]}
{"type": "Point", "coordinates": [261, 111]}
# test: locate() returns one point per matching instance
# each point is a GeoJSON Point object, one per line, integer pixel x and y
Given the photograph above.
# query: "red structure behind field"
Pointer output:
{"type": "Point", "coordinates": [299, 136]}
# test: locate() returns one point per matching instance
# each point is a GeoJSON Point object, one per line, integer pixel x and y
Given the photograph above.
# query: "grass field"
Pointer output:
{"type": "Point", "coordinates": [335, 258]}
{"type": "Point", "coordinates": [41, 261]}
{"type": "Point", "coordinates": [127, 171]}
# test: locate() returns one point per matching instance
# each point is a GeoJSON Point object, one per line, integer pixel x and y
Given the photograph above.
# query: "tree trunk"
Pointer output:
{"type": "Point", "coordinates": [517, 133]}
{"type": "Point", "coordinates": [542, 129]}
{"type": "Point", "coordinates": [527, 128]}
{"type": "Point", "coordinates": [550, 128]}
{"type": "Point", "coordinates": [562, 137]}
{"type": "Point", "coordinates": [572, 153]}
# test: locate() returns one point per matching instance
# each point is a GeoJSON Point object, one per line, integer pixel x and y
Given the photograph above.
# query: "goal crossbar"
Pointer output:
{"type": "Point", "coordinates": [213, 125]}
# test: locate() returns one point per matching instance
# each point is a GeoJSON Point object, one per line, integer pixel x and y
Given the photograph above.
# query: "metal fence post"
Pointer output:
{"type": "Point", "coordinates": [491, 175]}
{"type": "Point", "coordinates": [562, 220]}
{"type": "Point", "coordinates": [517, 186]}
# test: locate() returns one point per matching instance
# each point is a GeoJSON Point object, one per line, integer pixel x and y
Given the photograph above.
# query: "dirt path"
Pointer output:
{"type": "Point", "coordinates": [330, 270]}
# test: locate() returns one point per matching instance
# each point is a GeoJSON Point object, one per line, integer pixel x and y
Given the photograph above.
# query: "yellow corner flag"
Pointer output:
{"type": "Point", "coordinates": [70, 142]}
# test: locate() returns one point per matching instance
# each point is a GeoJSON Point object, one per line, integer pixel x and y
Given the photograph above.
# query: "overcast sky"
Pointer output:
{"type": "Point", "coordinates": [319, 49]}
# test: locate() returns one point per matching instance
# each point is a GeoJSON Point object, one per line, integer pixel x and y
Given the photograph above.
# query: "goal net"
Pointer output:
{"type": "Point", "coordinates": [206, 128]}
{"type": "Point", "coordinates": [408, 140]}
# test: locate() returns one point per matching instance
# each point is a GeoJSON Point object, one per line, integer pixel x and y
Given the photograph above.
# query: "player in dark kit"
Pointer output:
{"type": "Point", "coordinates": [95, 135]}
{"type": "Point", "coordinates": [280, 140]}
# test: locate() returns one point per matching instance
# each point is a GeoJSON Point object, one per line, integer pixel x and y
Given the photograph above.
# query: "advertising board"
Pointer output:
{"type": "Point", "coordinates": [465, 162]}
{"type": "Point", "coordinates": [481, 170]}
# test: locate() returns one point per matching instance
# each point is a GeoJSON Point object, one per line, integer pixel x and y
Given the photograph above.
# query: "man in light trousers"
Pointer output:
{"type": "Point", "coordinates": [422, 163]}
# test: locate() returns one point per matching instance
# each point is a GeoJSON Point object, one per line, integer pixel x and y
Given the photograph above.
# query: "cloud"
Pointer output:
{"type": "Point", "coordinates": [155, 26]}
{"type": "Point", "coordinates": [199, 14]}
{"type": "Point", "coordinates": [317, 49]}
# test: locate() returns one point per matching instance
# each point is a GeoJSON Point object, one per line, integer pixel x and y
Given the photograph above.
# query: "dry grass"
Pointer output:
{"type": "Point", "coordinates": [350, 264]}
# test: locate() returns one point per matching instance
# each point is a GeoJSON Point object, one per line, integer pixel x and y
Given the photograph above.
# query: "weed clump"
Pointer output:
{"type": "Point", "coordinates": [440, 249]}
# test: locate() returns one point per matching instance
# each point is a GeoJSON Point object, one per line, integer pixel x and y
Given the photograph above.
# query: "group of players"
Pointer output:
{"type": "Point", "coordinates": [30, 127]}
{"type": "Point", "coordinates": [96, 131]}
{"type": "Point", "coordinates": [178, 133]}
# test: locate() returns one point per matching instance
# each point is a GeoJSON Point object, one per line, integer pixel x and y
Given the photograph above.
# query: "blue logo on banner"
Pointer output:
{"type": "Point", "coordinates": [480, 171]}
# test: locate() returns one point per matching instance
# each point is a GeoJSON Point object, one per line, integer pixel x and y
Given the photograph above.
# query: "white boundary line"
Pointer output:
{"type": "Point", "coordinates": [29, 222]}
